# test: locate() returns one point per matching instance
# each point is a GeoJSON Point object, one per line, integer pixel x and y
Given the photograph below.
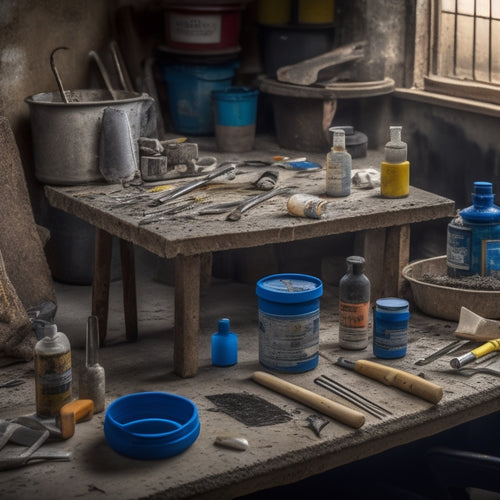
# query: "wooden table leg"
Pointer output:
{"type": "Point", "coordinates": [129, 289]}
{"type": "Point", "coordinates": [397, 254]}
{"type": "Point", "coordinates": [187, 314]}
{"type": "Point", "coordinates": [101, 280]}
{"type": "Point", "coordinates": [387, 251]}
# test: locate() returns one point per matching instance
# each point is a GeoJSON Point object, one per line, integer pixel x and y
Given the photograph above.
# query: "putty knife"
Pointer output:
{"type": "Point", "coordinates": [471, 326]}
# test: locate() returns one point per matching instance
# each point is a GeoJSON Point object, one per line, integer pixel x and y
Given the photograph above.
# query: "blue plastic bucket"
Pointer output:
{"type": "Point", "coordinates": [235, 112]}
{"type": "Point", "coordinates": [190, 90]}
{"type": "Point", "coordinates": [235, 106]}
{"type": "Point", "coordinates": [289, 321]}
{"type": "Point", "coordinates": [390, 328]}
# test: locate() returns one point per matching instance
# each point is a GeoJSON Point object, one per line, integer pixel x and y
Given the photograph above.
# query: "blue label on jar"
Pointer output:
{"type": "Point", "coordinates": [458, 247]}
{"type": "Point", "coordinates": [491, 262]}
{"type": "Point", "coordinates": [390, 337]}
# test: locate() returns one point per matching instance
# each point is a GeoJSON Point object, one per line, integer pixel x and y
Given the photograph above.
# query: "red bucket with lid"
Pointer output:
{"type": "Point", "coordinates": [201, 27]}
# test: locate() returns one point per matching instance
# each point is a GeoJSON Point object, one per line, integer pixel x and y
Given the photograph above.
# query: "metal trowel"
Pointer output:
{"type": "Point", "coordinates": [471, 326]}
{"type": "Point", "coordinates": [117, 158]}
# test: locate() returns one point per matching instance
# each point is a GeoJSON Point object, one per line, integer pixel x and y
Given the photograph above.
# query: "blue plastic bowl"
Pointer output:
{"type": "Point", "coordinates": [151, 425]}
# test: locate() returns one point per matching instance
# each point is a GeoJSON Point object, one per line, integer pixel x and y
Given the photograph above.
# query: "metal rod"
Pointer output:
{"type": "Point", "coordinates": [56, 74]}
{"type": "Point", "coordinates": [352, 391]}
{"type": "Point", "coordinates": [355, 397]}
{"type": "Point", "coordinates": [104, 73]}
{"type": "Point", "coordinates": [352, 399]}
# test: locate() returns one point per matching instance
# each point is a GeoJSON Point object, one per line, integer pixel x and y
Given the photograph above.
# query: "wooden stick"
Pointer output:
{"type": "Point", "coordinates": [326, 406]}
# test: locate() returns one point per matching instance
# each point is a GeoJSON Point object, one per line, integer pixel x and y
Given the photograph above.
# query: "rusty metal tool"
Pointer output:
{"type": "Point", "coordinates": [396, 378]}
{"type": "Point", "coordinates": [324, 405]}
{"type": "Point", "coordinates": [235, 214]}
{"type": "Point", "coordinates": [490, 369]}
{"type": "Point", "coordinates": [104, 74]}
{"type": "Point", "coordinates": [482, 350]}
{"type": "Point", "coordinates": [56, 74]}
{"type": "Point", "coordinates": [223, 170]}
{"type": "Point", "coordinates": [447, 349]}
{"type": "Point", "coordinates": [352, 396]}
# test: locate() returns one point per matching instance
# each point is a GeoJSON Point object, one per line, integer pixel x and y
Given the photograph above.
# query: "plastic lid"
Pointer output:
{"type": "Point", "coordinates": [392, 304]}
{"type": "Point", "coordinates": [483, 208]}
{"type": "Point", "coordinates": [234, 93]}
{"type": "Point", "coordinates": [289, 288]}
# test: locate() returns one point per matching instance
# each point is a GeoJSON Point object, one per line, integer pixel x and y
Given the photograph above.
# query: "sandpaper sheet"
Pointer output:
{"type": "Point", "coordinates": [249, 409]}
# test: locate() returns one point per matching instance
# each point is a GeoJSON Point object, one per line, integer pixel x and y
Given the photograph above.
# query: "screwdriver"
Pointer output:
{"type": "Point", "coordinates": [482, 350]}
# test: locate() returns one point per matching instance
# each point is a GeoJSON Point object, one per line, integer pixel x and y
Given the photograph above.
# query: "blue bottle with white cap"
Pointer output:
{"type": "Point", "coordinates": [224, 345]}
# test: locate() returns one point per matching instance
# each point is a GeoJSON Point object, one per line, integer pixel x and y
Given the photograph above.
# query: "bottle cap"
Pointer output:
{"type": "Point", "coordinates": [339, 139]}
{"type": "Point", "coordinates": [357, 263]}
{"type": "Point", "coordinates": [223, 325]}
{"type": "Point", "coordinates": [49, 330]}
{"type": "Point", "coordinates": [483, 209]}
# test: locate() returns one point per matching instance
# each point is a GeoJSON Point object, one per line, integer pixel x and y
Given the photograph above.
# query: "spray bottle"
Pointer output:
{"type": "Point", "coordinates": [395, 170]}
{"type": "Point", "coordinates": [53, 375]}
{"type": "Point", "coordinates": [92, 377]}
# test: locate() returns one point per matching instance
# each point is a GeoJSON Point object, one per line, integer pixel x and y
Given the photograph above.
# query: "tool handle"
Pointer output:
{"type": "Point", "coordinates": [72, 413]}
{"type": "Point", "coordinates": [482, 350]}
{"type": "Point", "coordinates": [326, 406]}
{"type": "Point", "coordinates": [402, 380]}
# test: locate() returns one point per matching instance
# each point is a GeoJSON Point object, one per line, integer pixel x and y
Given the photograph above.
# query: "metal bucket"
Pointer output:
{"type": "Point", "coordinates": [66, 135]}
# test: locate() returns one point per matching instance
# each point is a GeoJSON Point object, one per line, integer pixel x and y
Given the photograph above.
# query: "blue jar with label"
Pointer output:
{"type": "Point", "coordinates": [473, 237]}
{"type": "Point", "coordinates": [289, 312]}
{"type": "Point", "coordinates": [390, 327]}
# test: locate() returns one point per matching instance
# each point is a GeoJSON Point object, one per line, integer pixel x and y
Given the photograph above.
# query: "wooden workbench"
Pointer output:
{"type": "Point", "coordinates": [278, 453]}
{"type": "Point", "coordinates": [382, 227]}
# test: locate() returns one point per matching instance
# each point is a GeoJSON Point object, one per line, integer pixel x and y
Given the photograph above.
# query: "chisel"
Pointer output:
{"type": "Point", "coordinates": [397, 378]}
{"type": "Point", "coordinates": [482, 350]}
{"type": "Point", "coordinates": [326, 406]}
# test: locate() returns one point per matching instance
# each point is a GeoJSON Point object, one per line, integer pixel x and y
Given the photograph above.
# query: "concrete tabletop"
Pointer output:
{"type": "Point", "coordinates": [277, 454]}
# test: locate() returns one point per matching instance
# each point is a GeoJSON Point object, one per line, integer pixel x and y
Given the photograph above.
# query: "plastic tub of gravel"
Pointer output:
{"type": "Point", "coordinates": [438, 295]}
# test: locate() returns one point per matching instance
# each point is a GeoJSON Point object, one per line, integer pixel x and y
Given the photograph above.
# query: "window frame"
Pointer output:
{"type": "Point", "coordinates": [430, 87]}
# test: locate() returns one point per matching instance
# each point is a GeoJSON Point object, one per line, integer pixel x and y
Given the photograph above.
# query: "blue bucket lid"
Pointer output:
{"type": "Point", "coordinates": [392, 304]}
{"type": "Point", "coordinates": [235, 94]}
{"type": "Point", "coordinates": [199, 71]}
{"type": "Point", "coordinates": [289, 288]}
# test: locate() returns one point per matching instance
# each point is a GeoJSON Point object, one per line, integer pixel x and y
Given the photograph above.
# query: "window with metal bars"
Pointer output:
{"type": "Point", "coordinates": [465, 49]}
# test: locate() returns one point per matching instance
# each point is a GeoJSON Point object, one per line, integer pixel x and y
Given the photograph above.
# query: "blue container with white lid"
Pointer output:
{"type": "Point", "coordinates": [289, 312]}
{"type": "Point", "coordinates": [390, 327]}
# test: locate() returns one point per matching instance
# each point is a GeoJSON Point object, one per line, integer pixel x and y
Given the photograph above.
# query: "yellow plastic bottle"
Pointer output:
{"type": "Point", "coordinates": [395, 170]}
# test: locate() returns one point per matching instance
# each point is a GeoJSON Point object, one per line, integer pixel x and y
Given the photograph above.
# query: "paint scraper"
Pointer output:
{"type": "Point", "coordinates": [396, 378]}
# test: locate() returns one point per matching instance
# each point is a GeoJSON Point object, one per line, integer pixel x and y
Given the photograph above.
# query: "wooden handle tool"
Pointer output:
{"type": "Point", "coordinates": [326, 406]}
{"type": "Point", "coordinates": [397, 378]}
